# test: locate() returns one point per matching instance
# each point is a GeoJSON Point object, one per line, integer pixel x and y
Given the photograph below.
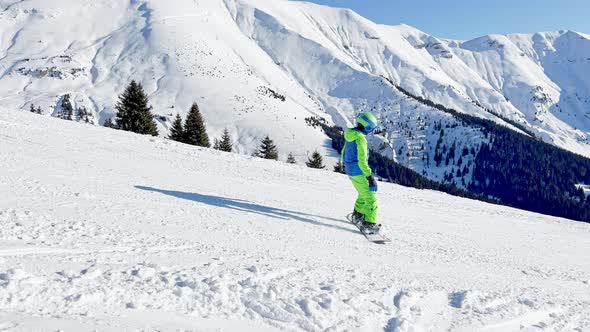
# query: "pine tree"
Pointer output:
{"type": "Point", "coordinates": [133, 112]}
{"type": "Point", "coordinates": [268, 149]}
{"type": "Point", "coordinates": [109, 123]}
{"type": "Point", "coordinates": [316, 161]}
{"type": "Point", "coordinates": [225, 144]}
{"type": "Point", "coordinates": [35, 110]}
{"type": "Point", "coordinates": [177, 130]}
{"type": "Point", "coordinates": [339, 167]}
{"type": "Point", "coordinates": [67, 110]}
{"type": "Point", "coordinates": [216, 144]}
{"type": "Point", "coordinates": [291, 159]}
{"type": "Point", "coordinates": [85, 115]}
{"type": "Point", "coordinates": [195, 132]}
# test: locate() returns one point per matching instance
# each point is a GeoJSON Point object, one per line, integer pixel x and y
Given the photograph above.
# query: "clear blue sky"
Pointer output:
{"type": "Point", "coordinates": [466, 19]}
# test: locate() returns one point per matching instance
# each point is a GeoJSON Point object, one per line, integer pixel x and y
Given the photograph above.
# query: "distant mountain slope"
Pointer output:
{"type": "Point", "coordinates": [188, 52]}
{"type": "Point", "coordinates": [261, 67]}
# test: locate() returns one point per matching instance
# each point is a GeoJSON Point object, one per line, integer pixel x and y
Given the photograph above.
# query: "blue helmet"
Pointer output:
{"type": "Point", "coordinates": [368, 121]}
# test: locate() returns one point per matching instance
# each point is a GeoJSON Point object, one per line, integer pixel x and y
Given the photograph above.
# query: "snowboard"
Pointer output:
{"type": "Point", "coordinates": [371, 237]}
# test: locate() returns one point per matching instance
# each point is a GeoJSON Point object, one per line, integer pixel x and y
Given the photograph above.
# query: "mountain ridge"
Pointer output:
{"type": "Point", "coordinates": [327, 62]}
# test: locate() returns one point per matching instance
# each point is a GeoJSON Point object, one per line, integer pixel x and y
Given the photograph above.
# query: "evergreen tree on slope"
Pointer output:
{"type": "Point", "coordinates": [225, 144]}
{"type": "Point", "coordinates": [109, 123]}
{"type": "Point", "coordinates": [268, 149]}
{"type": "Point", "coordinates": [177, 130]}
{"type": "Point", "coordinates": [291, 159]}
{"type": "Point", "coordinates": [339, 167]}
{"type": "Point", "coordinates": [133, 112]}
{"type": "Point", "coordinates": [316, 161]}
{"type": "Point", "coordinates": [195, 132]}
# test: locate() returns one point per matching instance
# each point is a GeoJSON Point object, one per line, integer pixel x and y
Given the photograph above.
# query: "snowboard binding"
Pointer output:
{"type": "Point", "coordinates": [365, 227]}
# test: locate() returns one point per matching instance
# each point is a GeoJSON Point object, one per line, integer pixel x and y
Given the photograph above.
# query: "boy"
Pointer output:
{"type": "Point", "coordinates": [355, 157]}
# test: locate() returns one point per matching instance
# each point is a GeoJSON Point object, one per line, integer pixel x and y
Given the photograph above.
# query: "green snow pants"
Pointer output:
{"type": "Point", "coordinates": [366, 203]}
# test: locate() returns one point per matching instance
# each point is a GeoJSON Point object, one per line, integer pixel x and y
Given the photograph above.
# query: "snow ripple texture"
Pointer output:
{"type": "Point", "coordinates": [107, 230]}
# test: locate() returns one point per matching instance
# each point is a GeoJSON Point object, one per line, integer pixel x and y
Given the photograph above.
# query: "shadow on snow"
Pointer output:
{"type": "Point", "coordinates": [245, 206]}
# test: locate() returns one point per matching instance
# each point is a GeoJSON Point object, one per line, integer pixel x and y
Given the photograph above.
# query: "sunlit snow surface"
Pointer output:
{"type": "Point", "coordinates": [107, 230]}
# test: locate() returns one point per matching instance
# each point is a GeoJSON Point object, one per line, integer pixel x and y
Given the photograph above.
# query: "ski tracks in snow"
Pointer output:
{"type": "Point", "coordinates": [477, 311]}
{"type": "Point", "coordinates": [135, 275]}
{"type": "Point", "coordinates": [301, 298]}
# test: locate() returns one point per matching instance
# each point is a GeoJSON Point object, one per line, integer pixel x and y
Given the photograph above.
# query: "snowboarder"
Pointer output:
{"type": "Point", "coordinates": [355, 158]}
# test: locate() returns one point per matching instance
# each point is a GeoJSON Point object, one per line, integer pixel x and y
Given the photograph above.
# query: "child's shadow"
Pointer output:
{"type": "Point", "coordinates": [245, 206]}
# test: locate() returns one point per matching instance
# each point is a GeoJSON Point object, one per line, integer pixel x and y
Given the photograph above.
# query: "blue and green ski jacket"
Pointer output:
{"type": "Point", "coordinates": [355, 154]}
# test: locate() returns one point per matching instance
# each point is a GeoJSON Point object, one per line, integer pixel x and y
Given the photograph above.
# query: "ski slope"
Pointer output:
{"type": "Point", "coordinates": [260, 67]}
{"type": "Point", "coordinates": [108, 230]}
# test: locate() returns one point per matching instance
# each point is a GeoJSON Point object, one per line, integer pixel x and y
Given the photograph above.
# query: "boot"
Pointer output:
{"type": "Point", "coordinates": [370, 227]}
{"type": "Point", "coordinates": [357, 217]}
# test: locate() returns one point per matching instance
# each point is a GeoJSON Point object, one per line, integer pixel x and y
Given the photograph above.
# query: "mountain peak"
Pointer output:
{"type": "Point", "coordinates": [318, 61]}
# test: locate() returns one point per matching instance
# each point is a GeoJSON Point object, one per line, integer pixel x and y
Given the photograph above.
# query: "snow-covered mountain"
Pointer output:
{"type": "Point", "coordinates": [148, 234]}
{"type": "Point", "coordinates": [261, 67]}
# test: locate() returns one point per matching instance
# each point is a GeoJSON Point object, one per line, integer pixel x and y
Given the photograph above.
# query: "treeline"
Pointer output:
{"type": "Point", "coordinates": [393, 172]}
{"type": "Point", "coordinates": [68, 112]}
{"type": "Point", "coordinates": [465, 118]}
{"type": "Point", "coordinates": [526, 173]}
{"type": "Point", "coordinates": [134, 114]}
{"type": "Point", "coordinates": [523, 171]}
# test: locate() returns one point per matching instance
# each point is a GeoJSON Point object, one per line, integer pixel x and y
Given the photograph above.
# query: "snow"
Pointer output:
{"type": "Point", "coordinates": [585, 188]}
{"type": "Point", "coordinates": [327, 62]}
{"type": "Point", "coordinates": [108, 230]}
{"type": "Point", "coordinates": [112, 43]}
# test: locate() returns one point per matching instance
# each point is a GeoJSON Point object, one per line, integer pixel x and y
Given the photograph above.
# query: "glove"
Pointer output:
{"type": "Point", "coordinates": [372, 184]}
